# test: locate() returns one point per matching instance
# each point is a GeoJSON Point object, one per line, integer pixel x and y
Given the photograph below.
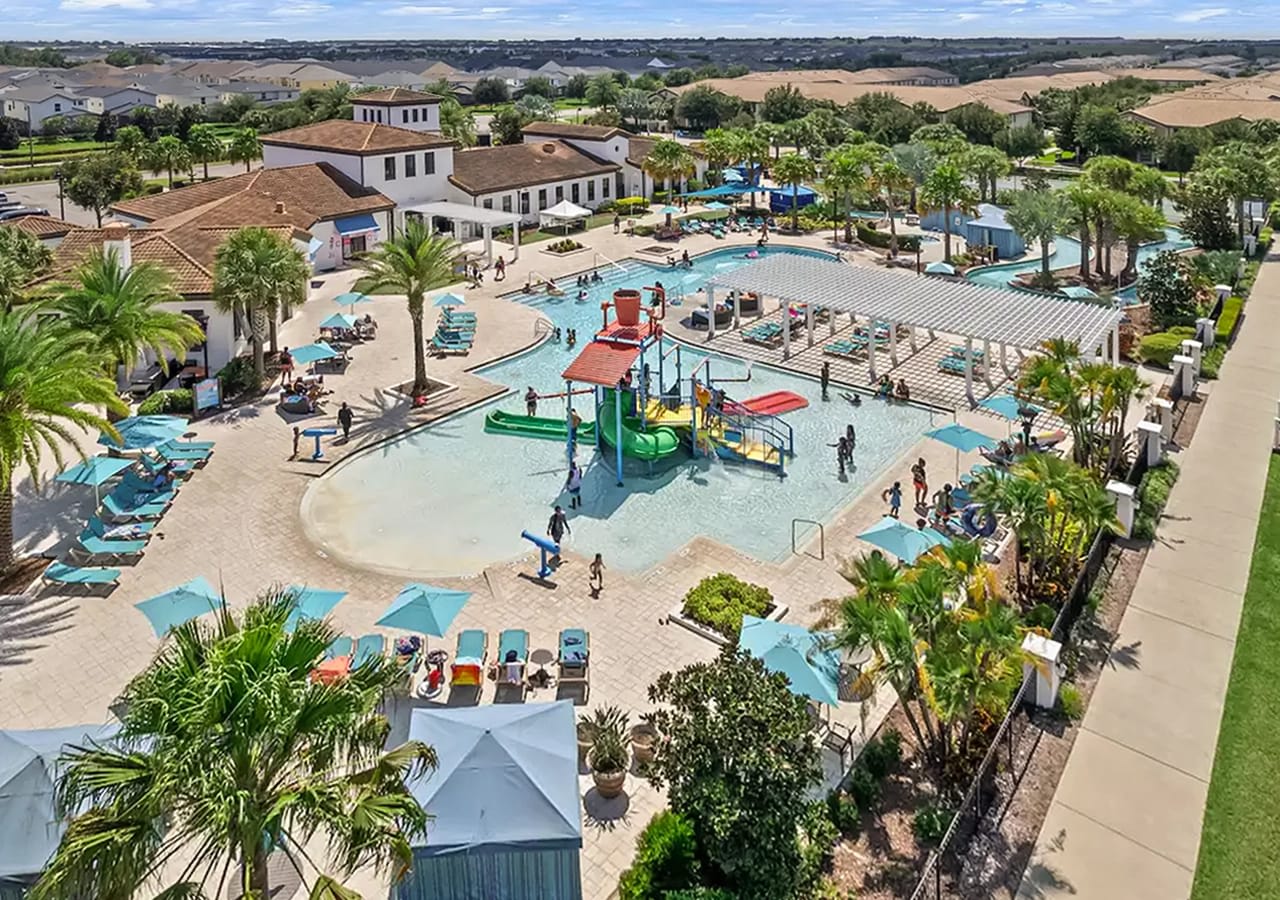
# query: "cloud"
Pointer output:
{"type": "Point", "coordinates": [303, 8]}
{"type": "Point", "coordinates": [104, 4]}
{"type": "Point", "coordinates": [967, 16]}
{"type": "Point", "coordinates": [422, 10]}
{"type": "Point", "coordinates": [1199, 15]}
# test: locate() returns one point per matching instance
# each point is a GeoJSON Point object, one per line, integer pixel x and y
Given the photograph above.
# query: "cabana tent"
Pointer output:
{"type": "Point", "coordinates": [564, 213]}
{"type": "Point", "coordinates": [781, 198]}
{"type": "Point", "coordinates": [28, 818]}
{"type": "Point", "coordinates": [504, 802]}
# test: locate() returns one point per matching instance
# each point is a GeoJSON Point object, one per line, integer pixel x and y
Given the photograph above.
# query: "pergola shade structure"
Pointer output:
{"type": "Point", "coordinates": [968, 311]}
{"type": "Point", "coordinates": [487, 219]}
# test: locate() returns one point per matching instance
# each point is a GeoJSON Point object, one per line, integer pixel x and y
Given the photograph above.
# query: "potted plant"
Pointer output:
{"type": "Point", "coordinates": [584, 743]}
{"type": "Point", "coordinates": [643, 738]}
{"type": "Point", "coordinates": [608, 757]}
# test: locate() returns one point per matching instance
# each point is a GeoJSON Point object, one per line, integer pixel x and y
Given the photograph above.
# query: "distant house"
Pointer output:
{"type": "Point", "coordinates": [35, 103]}
{"type": "Point", "coordinates": [303, 76]}
{"type": "Point", "coordinates": [259, 91]}
{"type": "Point", "coordinates": [987, 228]}
{"type": "Point", "coordinates": [46, 229]}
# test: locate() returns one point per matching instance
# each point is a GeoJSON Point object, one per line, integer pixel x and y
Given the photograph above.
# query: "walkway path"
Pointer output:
{"type": "Point", "coordinates": [1126, 819]}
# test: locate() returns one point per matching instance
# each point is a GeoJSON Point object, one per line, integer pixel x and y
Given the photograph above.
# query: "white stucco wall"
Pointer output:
{"type": "Point", "coordinates": [531, 218]}
{"type": "Point", "coordinates": [421, 188]}
{"type": "Point", "coordinates": [399, 116]}
{"type": "Point", "coordinates": [276, 157]}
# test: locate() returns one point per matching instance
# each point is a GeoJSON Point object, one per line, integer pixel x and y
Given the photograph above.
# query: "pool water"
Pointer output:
{"type": "Point", "coordinates": [450, 499]}
{"type": "Point", "coordinates": [1067, 253]}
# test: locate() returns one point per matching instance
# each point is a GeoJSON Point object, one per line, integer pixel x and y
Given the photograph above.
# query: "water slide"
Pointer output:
{"type": "Point", "coordinates": [658, 442]}
{"type": "Point", "coordinates": [774, 403]}
{"type": "Point", "coordinates": [542, 427]}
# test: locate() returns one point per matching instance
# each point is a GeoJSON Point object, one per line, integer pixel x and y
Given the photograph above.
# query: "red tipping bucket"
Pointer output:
{"type": "Point", "coordinates": [626, 305]}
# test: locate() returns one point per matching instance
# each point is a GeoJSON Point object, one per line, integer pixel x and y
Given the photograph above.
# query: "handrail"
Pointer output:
{"type": "Point", "coordinates": [822, 536]}
{"type": "Point", "coordinates": [613, 262]}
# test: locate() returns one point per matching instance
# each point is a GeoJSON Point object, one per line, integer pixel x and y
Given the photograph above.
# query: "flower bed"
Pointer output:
{"type": "Point", "coordinates": [714, 607]}
{"type": "Point", "coordinates": [563, 247]}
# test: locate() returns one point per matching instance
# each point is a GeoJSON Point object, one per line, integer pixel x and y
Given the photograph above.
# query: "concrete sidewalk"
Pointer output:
{"type": "Point", "coordinates": [1126, 818]}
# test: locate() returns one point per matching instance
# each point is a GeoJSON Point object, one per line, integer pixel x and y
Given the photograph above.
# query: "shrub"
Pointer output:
{"type": "Point", "coordinates": [907, 243]}
{"type": "Point", "coordinates": [564, 245]}
{"type": "Point", "coordinates": [1226, 323]}
{"type": "Point", "coordinates": [820, 836]}
{"type": "Point", "coordinates": [864, 787]}
{"type": "Point", "coordinates": [1070, 703]}
{"type": "Point", "coordinates": [881, 756]}
{"type": "Point", "coordinates": [1211, 361]}
{"type": "Point", "coordinates": [1042, 615]}
{"type": "Point", "coordinates": [1160, 348]}
{"type": "Point", "coordinates": [931, 824]}
{"type": "Point", "coordinates": [238, 376]}
{"type": "Point", "coordinates": [1153, 494]}
{"type": "Point", "coordinates": [699, 893]}
{"type": "Point", "coordinates": [843, 812]}
{"type": "Point", "coordinates": [661, 196]}
{"type": "Point", "coordinates": [179, 400]}
{"type": "Point", "coordinates": [720, 601]}
{"type": "Point", "coordinates": [606, 206]}
{"type": "Point", "coordinates": [644, 230]}
{"type": "Point", "coordinates": [666, 859]}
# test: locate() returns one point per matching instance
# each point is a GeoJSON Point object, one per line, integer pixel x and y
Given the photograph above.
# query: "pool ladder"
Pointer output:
{"type": "Point", "coordinates": [822, 537]}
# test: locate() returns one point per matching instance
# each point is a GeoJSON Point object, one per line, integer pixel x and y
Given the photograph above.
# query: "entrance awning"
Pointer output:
{"type": "Point", "coordinates": [461, 212]}
{"type": "Point", "coordinates": [353, 225]}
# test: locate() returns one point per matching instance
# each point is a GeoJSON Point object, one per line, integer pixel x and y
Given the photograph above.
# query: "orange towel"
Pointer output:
{"type": "Point", "coordinates": [332, 670]}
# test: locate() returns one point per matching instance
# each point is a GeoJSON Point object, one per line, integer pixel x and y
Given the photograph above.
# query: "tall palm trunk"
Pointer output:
{"type": "Point", "coordinates": [1084, 249]}
{"type": "Point", "coordinates": [893, 232]}
{"type": "Point", "coordinates": [7, 556]}
{"type": "Point", "coordinates": [258, 331]}
{"type": "Point", "coordinates": [255, 879]}
{"type": "Point", "coordinates": [419, 349]}
{"type": "Point", "coordinates": [795, 209]}
{"type": "Point", "coordinates": [1044, 258]}
{"type": "Point", "coordinates": [946, 232]}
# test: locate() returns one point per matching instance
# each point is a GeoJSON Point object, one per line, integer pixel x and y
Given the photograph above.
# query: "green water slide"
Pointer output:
{"type": "Point", "coordinates": [657, 442]}
{"type": "Point", "coordinates": [542, 427]}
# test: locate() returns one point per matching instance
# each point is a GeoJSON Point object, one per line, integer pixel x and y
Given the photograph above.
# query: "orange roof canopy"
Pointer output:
{"type": "Point", "coordinates": [602, 363]}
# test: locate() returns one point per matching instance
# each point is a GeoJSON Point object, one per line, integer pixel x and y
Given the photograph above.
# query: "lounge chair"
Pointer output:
{"type": "Point", "coordinates": [469, 658]}
{"type": "Point", "coordinates": [95, 527]}
{"type": "Point", "coordinates": [96, 546]}
{"type": "Point", "coordinates": [953, 366]}
{"type": "Point", "coordinates": [152, 466]}
{"type": "Point", "coordinates": [341, 646]}
{"type": "Point", "coordinates": [370, 646]}
{"type": "Point", "coordinates": [62, 573]}
{"type": "Point", "coordinates": [191, 445]}
{"type": "Point", "coordinates": [442, 346]}
{"type": "Point", "coordinates": [847, 349]}
{"type": "Point", "coordinates": [172, 451]}
{"type": "Point", "coordinates": [144, 484]}
{"type": "Point", "coordinates": [575, 654]}
{"type": "Point", "coordinates": [513, 659]}
{"type": "Point", "coordinates": [120, 510]}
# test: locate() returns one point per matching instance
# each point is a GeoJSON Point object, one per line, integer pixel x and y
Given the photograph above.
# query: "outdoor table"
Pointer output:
{"type": "Point", "coordinates": [318, 433]}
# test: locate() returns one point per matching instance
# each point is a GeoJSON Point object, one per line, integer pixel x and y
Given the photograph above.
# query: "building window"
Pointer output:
{"type": "Point", "coordinates": [379, 115]}
{"type": "Point", "coordinates": [591, 190]}
{"type": "Point", "coordinates": [389, 168]}
{"type": "Point", "coordinates": [604, 188]}
{"type": "Point", "coordinates": [559, 192]}
{"type": "Point", "coordinates": [57, 107]}
{"type": "Point", "coordinates": [575, 192]}
{"type": "Point", "coordinates": [428, 163]}
{"type": "Point", "coordinates": [404, 116]}
{"type": "Point", "coordinates": [542, 199]}
{"type": "Point", "coordinates": [524, 203]}
{"type": "Point", "coordinates": [415, 114]}
{"type": "Point", "coordinates": [410, 165]}
{"type": "Point", "coordinates": [506, 203]}
{"type": "Point", "coordinates": [364, 113]}
{"type": "Point", "coordinates": [488, 204]}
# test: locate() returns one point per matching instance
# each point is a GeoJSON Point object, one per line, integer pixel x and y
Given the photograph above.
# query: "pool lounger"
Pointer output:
{"type": "Point", "coordinates": [62, 573]}
{"type": "Point", "coordinates": [369, 646]}
{"type": "Point", "coordinates": [121, 509]}
{"type": "Point", "coordinates": [512, 674]}
{"type": "Point", "coordinates": [96, 546]}
{"type": "Point", "coordinates": [953, 366]}
{"type": "Point", "coordinates": [95, 527]}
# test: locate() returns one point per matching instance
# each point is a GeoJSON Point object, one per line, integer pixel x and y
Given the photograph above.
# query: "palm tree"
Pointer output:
{"type": "Point", "coordinates": [917, 160]}
{"type": "Point", "coordinates": [890, 182]}
{"type": "Point", "coordinates": [986, 165]}
{"type": "Point", "coordinates": [772, 134]}
{"type": "Point", "coordinates": [1135, 222]}
{"type": "Point", "coordinates": [945, 189]}
{"type": "Point", "coordinates": [204, 145]}
{"type": "Point", "coordinates": [258, 274]}
{"type": "Point", "coordinates": [842, 175]}
{"type": "Point", "coordinates": [46, 386]}
{"type": "Point", "coordinates": [411, 263]}
{"type": "Point", "coordinates": [1083, 201]}
{"type": "Point", "coordinates": [244, 147]}
{"type": "Point", "coordinates": [794, 169]}
{"type": "Point", "coordinates": [117, 312]}
{"type": "Point", "coordinates": [169, 155]}
{"type": "Point", "coordinates": [720, 148]}
{"type": "Point", "coordinates": [754, 151]}
{"type": "Point", "coordinates": [669, 161]}
{"type": "Point", "coordinates": [23, 258]}
{"type": "Point", "coordinates": [228, 751]}
{"type": "Point", "coordinates": [1037, 216]}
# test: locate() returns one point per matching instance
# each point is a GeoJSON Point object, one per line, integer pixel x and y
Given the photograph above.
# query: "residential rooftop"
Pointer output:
{"type": "Point", "coordinates": [359, 138]}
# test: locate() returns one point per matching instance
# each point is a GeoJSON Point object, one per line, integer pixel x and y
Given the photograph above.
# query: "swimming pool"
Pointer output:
{"type": "Point", "coordinates": [450, 499]}
{"type": "Point", "coordinates": [1066, 253]}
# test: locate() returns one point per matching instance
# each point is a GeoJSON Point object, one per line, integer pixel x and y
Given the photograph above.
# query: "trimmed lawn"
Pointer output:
{"type": "Point", "coordinates": [1238, 857]}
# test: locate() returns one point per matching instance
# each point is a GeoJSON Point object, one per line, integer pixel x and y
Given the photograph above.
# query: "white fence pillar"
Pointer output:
{"type": "Point", "coordinates": [1165, 409]}
{"type": "Point", "coordinates": [1184, 373]}
{"type": "Point", "coordinates": [1045, 652]}
{"type": "Point", "coordinates": [1195, 350]}
{"type": "Point", "coordinates": [1206, 331]}
{"type": "Point", "coordinates": [1150, 442]}
{"type": "Point", "coordinates": [1124, 495]}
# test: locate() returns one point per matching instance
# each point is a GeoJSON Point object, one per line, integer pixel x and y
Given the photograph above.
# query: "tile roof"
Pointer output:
{"type": "Point", "coordinates": [941, 98]}
{"type": "Point", "coordinates": [310, 192]}
{"type": "Point", "coordinates": [602, 363]}
{"type": "Point", "coordinates": [566, 130]}
{"type": "Point", "coordinates": [512, 166]}
{"type": "Point", "coordinates": [360, 138]}
{"type": "Point", "coordinates": [396, 96]}
{"type": "Point", "coordinates": [40, 226]}
{"type": "Point", "coordinates": [1201, 112]}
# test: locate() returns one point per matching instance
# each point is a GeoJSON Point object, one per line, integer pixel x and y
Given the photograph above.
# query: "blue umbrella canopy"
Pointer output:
{"type": "Point", "coordinates": [961, 438]}
{"type": "Point", "coordinates": [1010, 407]}
{"type": "Point", "coordinates": [450, 300]}
{"type": "Point", "coordinates": [940, 268]}
{"type": "Point", "coordinates": [339, 320]}
{"type": "Point", "coordinates": [669, 210]}
{"type": "Point", "coordinates": [95, 471]}
{"type": "Point", "coordinates": [424, 609]}
{"type": "Point", "coordinates": [807, 659]}
{"type": "Point", "coordinates": [894, 536]}
{"type": "Point", "coordinates": [178, 605]}
{"type": "Point", "coordinates": [351, 298]}
{"type": "Point", "coordinates": [716, 204]}
{"type": "Point", "coordinates": [310, 353]}
{"type": "Point", "coordinates": [311, 603]}
{"type": "Point", "coordinates": [137, 432]}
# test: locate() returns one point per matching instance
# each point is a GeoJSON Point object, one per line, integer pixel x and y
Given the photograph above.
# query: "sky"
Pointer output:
{"type": "Point", "coordinates": [337, 19]}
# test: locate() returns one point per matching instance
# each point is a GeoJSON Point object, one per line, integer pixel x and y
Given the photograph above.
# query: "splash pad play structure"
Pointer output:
{"type": "Point", "coordinates": [693, 415]}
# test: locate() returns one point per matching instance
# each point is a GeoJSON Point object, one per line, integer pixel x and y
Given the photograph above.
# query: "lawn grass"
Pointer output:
{"type": "Point", "coordinates": [1238, 857]}
{"type": "Point", "coordinates": [51, 148]}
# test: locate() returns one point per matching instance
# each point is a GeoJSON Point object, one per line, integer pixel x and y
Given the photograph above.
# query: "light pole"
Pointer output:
{"type": "Point", "coordinates": [62, 197]}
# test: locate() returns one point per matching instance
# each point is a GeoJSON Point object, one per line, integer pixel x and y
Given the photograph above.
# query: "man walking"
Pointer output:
{"type": "Point", "coordinates": [824, 377]}
{"type": "Point", "coordinates": [558, 527]}
{"type": "Point", "coordinates": [345, 418]}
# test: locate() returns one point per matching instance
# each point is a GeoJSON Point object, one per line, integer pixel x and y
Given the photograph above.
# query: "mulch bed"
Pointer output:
{"type": "Point", "coordinates": [24, 571]}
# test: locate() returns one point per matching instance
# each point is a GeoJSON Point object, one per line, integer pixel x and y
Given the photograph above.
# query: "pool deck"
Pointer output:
{"type": "Point", "coordinates": [64, 658]}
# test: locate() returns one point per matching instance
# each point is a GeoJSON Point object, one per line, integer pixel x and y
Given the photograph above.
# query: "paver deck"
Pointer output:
{"type": "Point", "coordinates": [1126, 818]}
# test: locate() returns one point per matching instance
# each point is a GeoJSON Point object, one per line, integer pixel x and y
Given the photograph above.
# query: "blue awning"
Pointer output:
{"type": "Point", "coordinates": [361, 224]}
{"type": "Point", "coordinates": [313, 247]}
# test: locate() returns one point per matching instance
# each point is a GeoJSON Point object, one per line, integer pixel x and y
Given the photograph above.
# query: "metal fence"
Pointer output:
{"type": "Point", "coordinates": [979, 798]}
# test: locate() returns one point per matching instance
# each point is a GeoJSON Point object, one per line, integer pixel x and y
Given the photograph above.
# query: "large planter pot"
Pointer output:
{"type": "Point", "coordinates": [643, 739]}
{"type": "Point", "coordinates": [609, 784]}
{"type": "Point", "coordinates": [584, 745]}
{"type": "Point", "coordinates": [626, 305]}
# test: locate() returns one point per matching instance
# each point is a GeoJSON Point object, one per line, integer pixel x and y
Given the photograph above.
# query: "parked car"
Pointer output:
{"type": "Point", "coordinates": [19, 212]}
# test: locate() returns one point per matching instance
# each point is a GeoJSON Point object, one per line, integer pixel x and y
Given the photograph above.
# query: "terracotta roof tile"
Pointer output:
{"type": "Point", "coordinates": [512, 166]}
{"type": "Point", "coordinates": [40, 226]}
{"type": "Point", "coordinates": [566, 130]}
{"type": "Point", "coordinates": [396, 96]}
{"type": "Point", "coordinates": [359, 138]}
{"type": "Point", "coordinates": [602, 363]}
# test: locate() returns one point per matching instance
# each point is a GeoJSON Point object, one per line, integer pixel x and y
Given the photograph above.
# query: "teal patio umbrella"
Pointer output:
{"type": "Point", "coordinates": [716, 204]}
{"type": "Point", "coordinates": [896, 537]}
{"type": "Point", "coordinates": [96, 470]}
{"type": "Point", "coordinates": [450, 300]}
{"type": "Point", "coordinates": [940, 268]}
{"type": "Point", "coordinates": [179, 605]}
{"type": "Point", "coordinates": [311, 603]}
{"type": "Point", "coordinates": [137, 432]}
{"type": "Point", "coordinates": [1010, 407]}
{"type": "Point", "coordinates": [309, 353]}
{"type": "Point", "coordinates": [424, 609]}
{"type": "Point", "coordinates": [806, 658]}
{"type": "Point", "coordinates": [964, 440]}
{"type": "Point", "coordinates": [351, 298]}
{"type": "Point", "coordinates": [339, 320]}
